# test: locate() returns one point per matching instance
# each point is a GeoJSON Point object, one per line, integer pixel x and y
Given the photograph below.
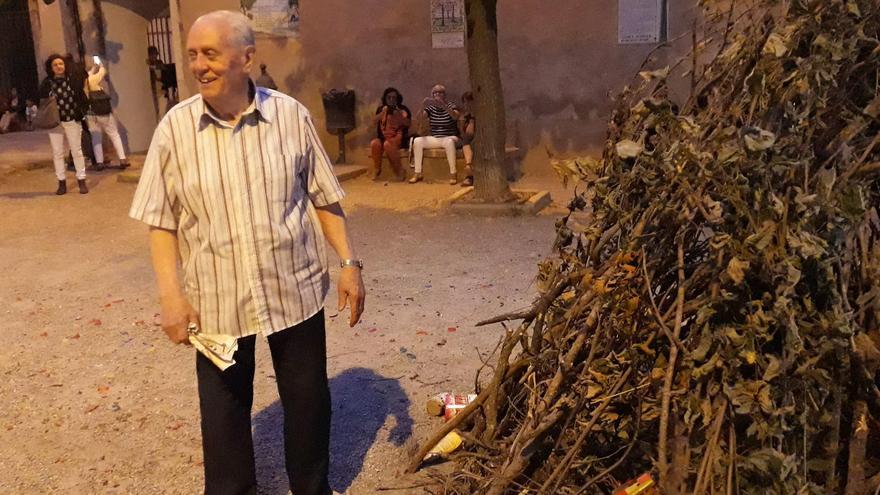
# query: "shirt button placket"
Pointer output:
{"type": "Point", "coordinates": [255, 277]}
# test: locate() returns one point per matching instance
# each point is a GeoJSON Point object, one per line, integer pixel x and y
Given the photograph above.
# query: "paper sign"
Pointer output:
{"type": "Point", "coordinates": [276, 17]}
{"type": "Point", "coordinates": [639, 21]}
{"type": "Point", "coordinates": [447, 23]}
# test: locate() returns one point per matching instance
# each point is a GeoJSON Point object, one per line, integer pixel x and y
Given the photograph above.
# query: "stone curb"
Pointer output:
{"type": "Point", "coordinates": [538, 200]}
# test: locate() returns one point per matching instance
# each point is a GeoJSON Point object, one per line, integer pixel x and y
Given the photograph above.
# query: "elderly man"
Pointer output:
{"type": "Point", "coordinates": [237, 182]}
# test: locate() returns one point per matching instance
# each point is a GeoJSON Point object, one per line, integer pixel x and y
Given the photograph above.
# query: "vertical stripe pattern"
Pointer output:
{"type": "Point", "coordinates": [242, 200]}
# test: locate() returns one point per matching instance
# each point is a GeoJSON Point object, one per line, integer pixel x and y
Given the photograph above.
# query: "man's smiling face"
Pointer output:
{"type": "Point", "coordinates": [219, 64]}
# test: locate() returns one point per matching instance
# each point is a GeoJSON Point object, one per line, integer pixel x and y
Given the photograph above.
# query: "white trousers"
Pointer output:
{"type": "Point", "coordinates": [72, 130]}
{"type": "Point", "coordinates": [104, 124]}
{"type": "Point", "coordinates": [430, 142]}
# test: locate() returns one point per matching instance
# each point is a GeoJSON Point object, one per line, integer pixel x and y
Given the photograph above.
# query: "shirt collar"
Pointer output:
{"type": "Point", "coordinates": [258, 109]}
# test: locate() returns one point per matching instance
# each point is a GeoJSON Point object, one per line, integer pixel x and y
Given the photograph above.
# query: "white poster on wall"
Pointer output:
{"type": "Point", "coordinates": [275, 17]}
{"type": "Point", "coordinates": [639, 21]}
{"type": "Point", "coordinates": [447, 23]}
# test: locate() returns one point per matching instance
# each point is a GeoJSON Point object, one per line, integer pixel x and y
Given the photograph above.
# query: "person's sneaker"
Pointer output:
{"type": "Point", "coordinates": [415, 178]}
{"type": "Point", "coordinates": [83, 189]}
{"type": "Point", "coordinates": [62, 187]}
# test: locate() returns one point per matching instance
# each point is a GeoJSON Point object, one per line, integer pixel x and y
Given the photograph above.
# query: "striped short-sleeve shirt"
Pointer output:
{"type": "Point", "coordinates": [441, 122]}
{"type": "Point", "coordinates": [242, 200]}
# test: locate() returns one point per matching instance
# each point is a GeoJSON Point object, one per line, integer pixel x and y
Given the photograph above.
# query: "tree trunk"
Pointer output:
{"type": "Point", "coordinates": [100, 28]}
{"type": "Point", "coordinates": [73, 9]}
{"type": "Point", "coordinates": [490, 176]}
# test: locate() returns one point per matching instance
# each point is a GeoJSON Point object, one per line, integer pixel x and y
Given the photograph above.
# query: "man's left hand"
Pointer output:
{"type": "Point", "coordinates": [351, 293]}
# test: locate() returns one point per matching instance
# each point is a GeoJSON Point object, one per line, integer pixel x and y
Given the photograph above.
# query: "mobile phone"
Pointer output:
{"type": "Point", "coordinates": [96, 59]}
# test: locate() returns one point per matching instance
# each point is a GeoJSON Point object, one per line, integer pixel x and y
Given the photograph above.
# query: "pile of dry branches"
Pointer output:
{"type": "Point", "coordinates": [713, 321]}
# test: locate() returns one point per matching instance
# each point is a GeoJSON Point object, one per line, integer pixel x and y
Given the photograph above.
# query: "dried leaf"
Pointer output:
{"type": "Point", "coordinates": [758, 139]}
{"type": "Point", "coordinates": [775, 45]}
{"type": "Point", "coordinates": [628, 149]}
{"type": "Point", "coordinates": [736, 270]}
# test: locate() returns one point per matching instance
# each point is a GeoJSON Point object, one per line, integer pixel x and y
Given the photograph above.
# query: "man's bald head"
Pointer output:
{"type": "Point", "coordinates": [221, 51]}
{"type": "Point", "coordinates": [234, 24]}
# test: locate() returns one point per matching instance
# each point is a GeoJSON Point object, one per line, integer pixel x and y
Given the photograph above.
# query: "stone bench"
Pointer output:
{"type": "Point", "coordinates": [434, 166]}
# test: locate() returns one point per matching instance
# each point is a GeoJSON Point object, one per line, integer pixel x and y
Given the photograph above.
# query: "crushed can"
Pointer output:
{"type": "Point", "coordinates": [643, 485]}
{"type": "Point", "coordinates": [455, 403]}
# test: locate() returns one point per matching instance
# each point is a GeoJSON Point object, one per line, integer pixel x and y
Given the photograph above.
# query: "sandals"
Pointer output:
{"type": "Point", "coordinates": [468, 181]}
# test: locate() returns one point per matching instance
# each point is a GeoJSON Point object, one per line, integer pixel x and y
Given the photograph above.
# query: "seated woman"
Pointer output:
{"type": "Point", "coordinates": [442, 118]}
{"type": "Point", "coordinates": [13, 115]}
{"type": "Point", "coordinates": [468, 131]}
{"type": "Point", "coordinates": [392, 132]}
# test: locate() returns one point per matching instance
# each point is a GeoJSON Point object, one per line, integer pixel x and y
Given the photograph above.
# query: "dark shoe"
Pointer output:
{"type": "Point", "coordinates": [468, 181]}
{"type": "Point", "coordinates": [82, 186]}
{"type": "Point", "coordinates": [124, 164]}
{"type": "Point", "coordinates": [62, 187]}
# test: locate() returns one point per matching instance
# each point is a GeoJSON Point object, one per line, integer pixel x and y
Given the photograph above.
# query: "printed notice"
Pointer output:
{"type": "Point", "coordinates": [275, 17]}
{"type": "Point", "coordinates": [447, 23]}
{"type": "Point", "coordinates": [639, 21]}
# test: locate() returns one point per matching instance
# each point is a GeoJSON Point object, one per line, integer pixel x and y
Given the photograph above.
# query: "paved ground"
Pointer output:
{"type": "Point", "coordinates": [21, 149]}
{"type": "Point", "coordinates": [97, 401]}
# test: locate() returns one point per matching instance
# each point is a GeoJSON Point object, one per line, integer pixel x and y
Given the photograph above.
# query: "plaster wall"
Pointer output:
{"type": "Point", "coordinates": [560, 63]}
{"type": "Point", "coordinates": [48, 29]}
{"type": "Point", "coordinates": [127, 76]}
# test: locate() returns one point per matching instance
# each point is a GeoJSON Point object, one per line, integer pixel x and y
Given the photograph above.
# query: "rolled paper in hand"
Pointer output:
{"type": "Point", "coordinates": [218, 348]}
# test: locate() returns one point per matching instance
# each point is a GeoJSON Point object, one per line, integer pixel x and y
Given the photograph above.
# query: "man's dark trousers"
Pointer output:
{"type": "Point", "coordinates": [300, 360]}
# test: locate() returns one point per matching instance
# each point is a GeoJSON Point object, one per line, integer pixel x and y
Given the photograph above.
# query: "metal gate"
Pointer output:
{"type": "Point", "coordinates": [159, 35]}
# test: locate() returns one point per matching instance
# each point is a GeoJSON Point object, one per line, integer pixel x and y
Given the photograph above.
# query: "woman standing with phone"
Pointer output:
{"type": "Point", "coordinates": [100, 117]}
{"type": "Point", "coordinates": [70, 99]}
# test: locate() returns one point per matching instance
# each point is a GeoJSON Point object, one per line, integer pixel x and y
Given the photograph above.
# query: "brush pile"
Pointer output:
{"type": "Point", "coordinates": [715, 319]}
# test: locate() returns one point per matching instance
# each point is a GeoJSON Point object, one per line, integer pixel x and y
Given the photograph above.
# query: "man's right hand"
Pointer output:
{"type": "Point", "coordinates": [177, 314]}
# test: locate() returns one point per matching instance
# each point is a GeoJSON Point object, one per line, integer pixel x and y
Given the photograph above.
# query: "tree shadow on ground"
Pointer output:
{"type": "Point", "coordinates": [26, 195]}
{"type": "Point", "coordinates": [362, 401]}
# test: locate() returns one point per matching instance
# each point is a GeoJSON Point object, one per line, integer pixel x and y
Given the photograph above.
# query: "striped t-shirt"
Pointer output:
{"type": "Point", "coordinates": [442, 123]}
{"type": "Point", "coordinates": [242, 200]}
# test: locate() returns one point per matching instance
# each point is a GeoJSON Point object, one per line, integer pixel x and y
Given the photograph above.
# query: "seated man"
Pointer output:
{"type": "Point", "coordinates": [392, 132]}
{"type": "Point", "coordinates": [443, 120]}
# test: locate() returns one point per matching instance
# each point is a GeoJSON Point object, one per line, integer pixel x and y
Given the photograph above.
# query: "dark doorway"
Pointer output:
{"type": "Point", "coordinates": [18, 66]}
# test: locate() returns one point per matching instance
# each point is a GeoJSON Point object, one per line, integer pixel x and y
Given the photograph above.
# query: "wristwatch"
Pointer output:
{"type": "Point", "coordinates": [356, 263]}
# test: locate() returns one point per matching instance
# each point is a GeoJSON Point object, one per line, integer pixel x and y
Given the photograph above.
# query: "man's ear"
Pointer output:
{"type": "Point", "coordinates": [249, 53]}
